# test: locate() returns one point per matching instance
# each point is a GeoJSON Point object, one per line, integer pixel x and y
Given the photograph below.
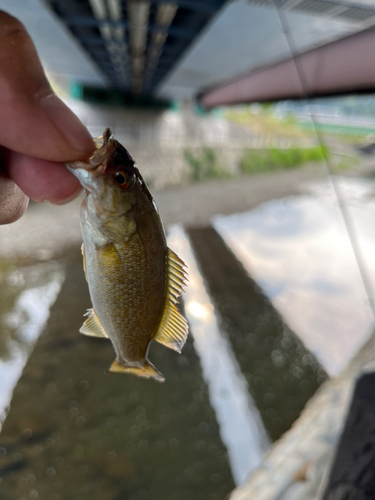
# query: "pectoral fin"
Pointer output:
{"type": "Point", "coordinates": [173, 328]}
{"type": "Point", "coordinates": [92, 326]}
{"type": "Point", "coordinates": [146, 371]}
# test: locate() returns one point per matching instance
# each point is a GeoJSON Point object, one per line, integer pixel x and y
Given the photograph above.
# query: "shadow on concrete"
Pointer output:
{"type": "Point", "coordinates": [281, 373]}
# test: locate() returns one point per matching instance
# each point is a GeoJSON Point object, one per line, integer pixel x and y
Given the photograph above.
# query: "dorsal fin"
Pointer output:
{"type": "Point", "coordinates": [92, 326]}
{"type": "Point", "coordinates": [173, 328]}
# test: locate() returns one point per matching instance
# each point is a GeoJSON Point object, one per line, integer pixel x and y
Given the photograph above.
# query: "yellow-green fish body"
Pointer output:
{"type": "Point", "coordinates": [134, 278]}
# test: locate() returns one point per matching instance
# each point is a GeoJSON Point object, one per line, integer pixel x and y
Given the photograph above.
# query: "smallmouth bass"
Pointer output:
{"type": "Point", "coordinates": [134, 279]}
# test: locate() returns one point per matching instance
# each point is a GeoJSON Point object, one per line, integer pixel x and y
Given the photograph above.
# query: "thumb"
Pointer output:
{"type": "Point", "coordinates": [33, 120]}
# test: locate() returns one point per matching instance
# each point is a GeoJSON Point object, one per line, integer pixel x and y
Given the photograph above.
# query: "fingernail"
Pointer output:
{"type": "Point", "coordinates": [69, 199]}
{"type": "Point", "coordinates": [67, 123]}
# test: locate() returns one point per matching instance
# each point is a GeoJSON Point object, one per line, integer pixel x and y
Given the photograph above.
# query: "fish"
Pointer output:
{"type": "Point", "coordinates": [134, 279]}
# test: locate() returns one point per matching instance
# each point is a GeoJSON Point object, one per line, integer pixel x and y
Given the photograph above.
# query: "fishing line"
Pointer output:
{"type": "Point", "coordinates": [348, 221]}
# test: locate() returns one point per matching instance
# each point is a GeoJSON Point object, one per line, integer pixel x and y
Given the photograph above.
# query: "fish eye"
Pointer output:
{"type": "Point", "coordinates": [122, 180]}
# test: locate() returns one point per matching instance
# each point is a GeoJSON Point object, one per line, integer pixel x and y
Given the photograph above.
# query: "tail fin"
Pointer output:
{"type": "Point", "coordinates": [146, 371]}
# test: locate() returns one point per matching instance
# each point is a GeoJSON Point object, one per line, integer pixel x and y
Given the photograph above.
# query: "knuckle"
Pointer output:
{"type": "Point", "coordinates": [10, 25]}
{"type": "Point", "coordinates": [13, 202]}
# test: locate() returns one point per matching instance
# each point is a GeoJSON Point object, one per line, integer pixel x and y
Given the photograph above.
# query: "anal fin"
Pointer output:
{"type": "Point", "coordinates": [92, 326]}
{"type": "Point", "coordinates": [173, 329]}
{"type": "Point", "coordinates": [147, 371]}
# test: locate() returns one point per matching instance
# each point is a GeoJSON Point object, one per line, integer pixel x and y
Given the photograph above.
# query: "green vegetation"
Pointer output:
{"type": "Point", "coordinates": [204, 165]}
{"type": "Point", "coordinates": [263, 122]}
{"type": "Point", "coordinates": [265, 160]}
{"type": "Point", "coordinates": [344, 164]}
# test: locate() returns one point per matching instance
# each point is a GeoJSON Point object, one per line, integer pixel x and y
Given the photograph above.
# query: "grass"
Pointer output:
{"type": "Point", "coordinates": [204, 165]}
{"type": "Point", "coordinates": [265, 123]}
{"type": "Point", "coordinates": [266, 160]}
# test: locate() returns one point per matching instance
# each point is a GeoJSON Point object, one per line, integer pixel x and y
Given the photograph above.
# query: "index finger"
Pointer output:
{"type": "Point", "coordinates": [33, 120]}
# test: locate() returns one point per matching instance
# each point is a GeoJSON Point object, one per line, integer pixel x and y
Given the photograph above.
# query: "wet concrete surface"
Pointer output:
{"type": "Point", "coordinates": [298, 251]}
{"type": "Point", "coordinates": [27, 290]}
{"type": "Point", "coordinates": [281, 373]}
{"type": "Point", "coordinates": [241, 427]}
{"type": "Point", "coordinates": [76, 432]}
{"type": "Point", "coordinates": [193, 204]}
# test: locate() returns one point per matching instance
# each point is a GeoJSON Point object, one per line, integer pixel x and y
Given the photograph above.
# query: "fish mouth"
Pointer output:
{"type": "Point", "coordinates": [109, 156]}
{"type": "Point", "coordinates": [105, 146]}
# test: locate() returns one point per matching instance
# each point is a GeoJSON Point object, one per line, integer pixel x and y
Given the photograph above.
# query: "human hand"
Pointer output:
{"type": "Point", "coordinates": [37, 130]}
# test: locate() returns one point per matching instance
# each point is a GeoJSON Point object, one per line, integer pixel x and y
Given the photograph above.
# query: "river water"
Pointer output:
{"type": "Point", "coordinates": [275, 302]}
